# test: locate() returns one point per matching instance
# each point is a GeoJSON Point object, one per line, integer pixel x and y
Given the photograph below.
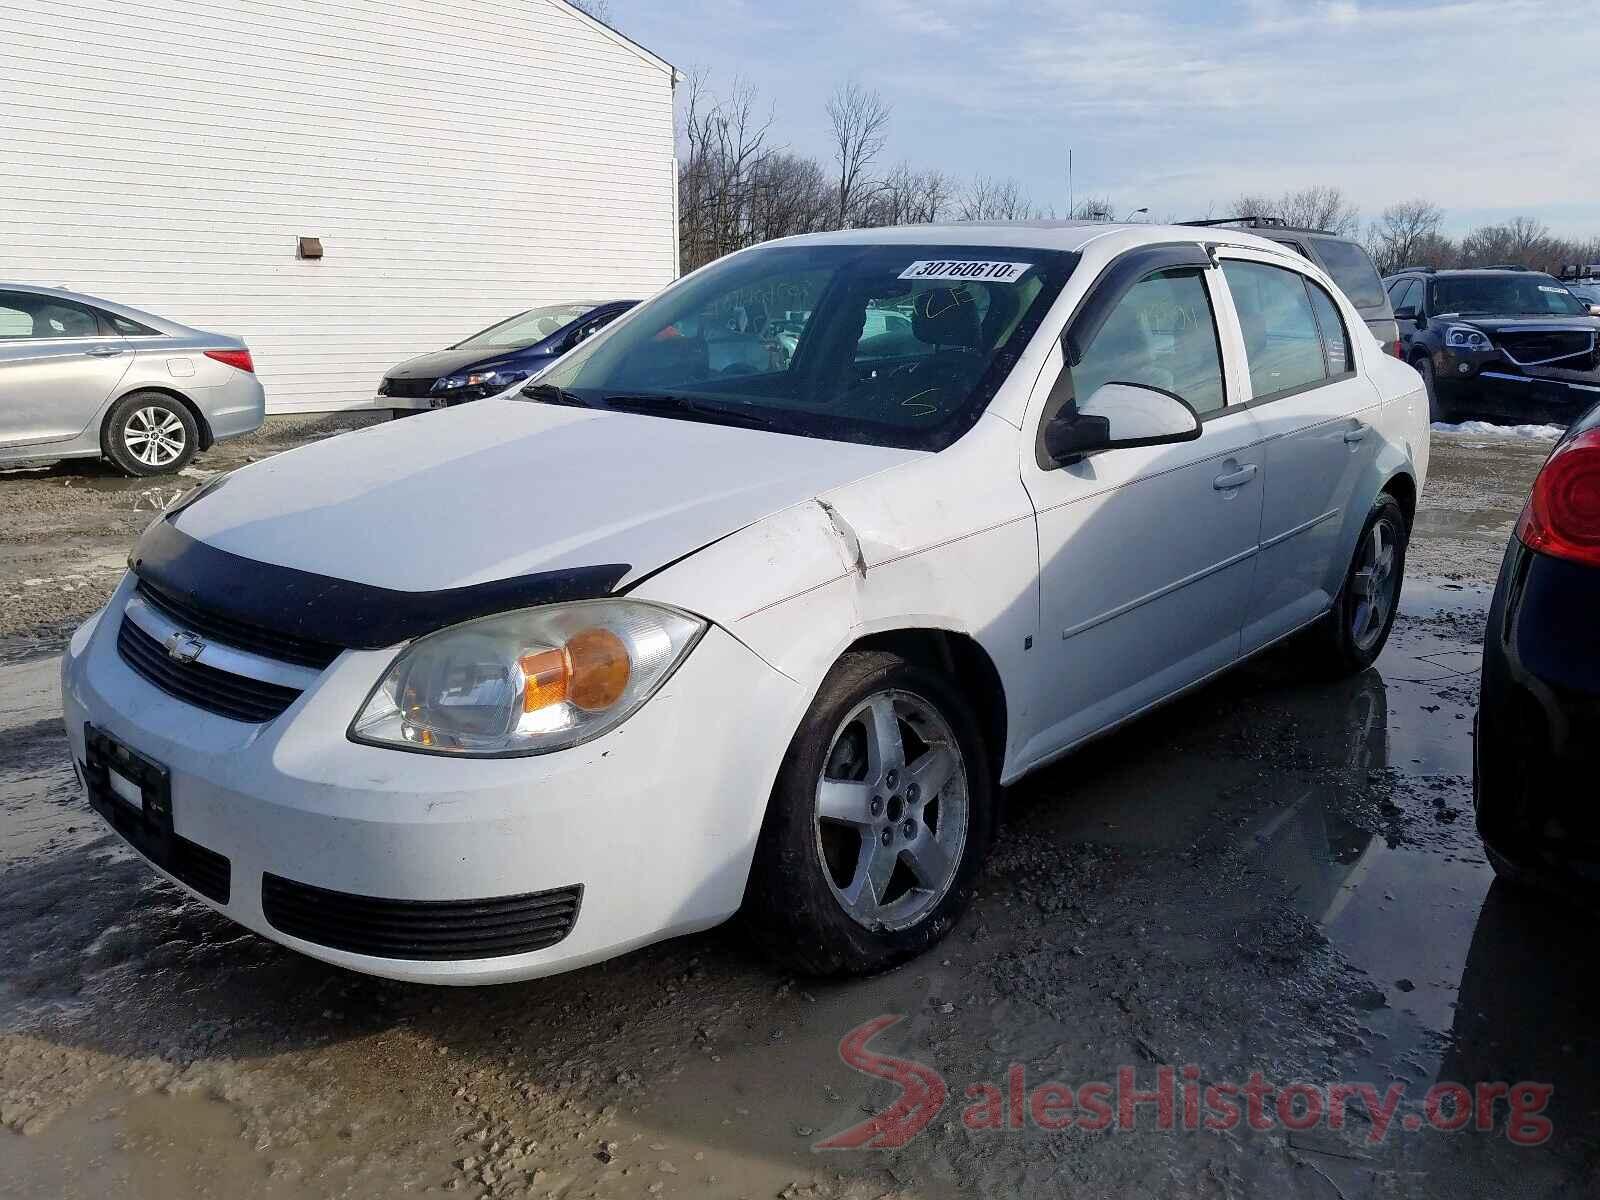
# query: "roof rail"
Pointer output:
{"type": "Point", "coordinates": [1256, 223]}
{"type": "Point", "coordinates": [1422, 270]}
{"type": "Point", "coordinates": [1505, 267]}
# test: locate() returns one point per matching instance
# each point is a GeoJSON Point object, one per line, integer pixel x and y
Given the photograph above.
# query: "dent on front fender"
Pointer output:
{"type": "Point", "coordinates": [808, 559]}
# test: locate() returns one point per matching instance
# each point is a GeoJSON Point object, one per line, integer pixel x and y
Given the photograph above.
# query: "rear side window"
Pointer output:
{"type": "Point", "coordinates": [1335, 338]}
{"type": "Point", "coordinates": [1353, 271]}
{"type": "Point", "coordinates": [1281, 341]}
{"type": "Point", "coordinates": [128, 328]}
{"type": "Point", "coordinates": [25, 315]}
{"type": "Point", "coordinates": [1161, 334]}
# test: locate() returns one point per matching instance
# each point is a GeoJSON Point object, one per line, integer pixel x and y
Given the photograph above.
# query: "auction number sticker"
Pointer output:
{"type": "Point", "coordinates": [966, 268]}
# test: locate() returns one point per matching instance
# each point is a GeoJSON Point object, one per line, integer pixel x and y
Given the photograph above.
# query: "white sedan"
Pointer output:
{"type": "Point", "coordinates": [511, 688]}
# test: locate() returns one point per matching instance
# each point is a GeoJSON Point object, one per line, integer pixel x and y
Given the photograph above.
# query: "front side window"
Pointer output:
{"type": "Point", "coordinates": [525, 329]}
{"type": "Point", "coordinates": [1281, 342]}
{"type": "Point", "coordinates": [900, 345]}
{"type": "Point", "coordinates": [1511, 294]}
{"type": "Point", "coordinates": [1161, 334]}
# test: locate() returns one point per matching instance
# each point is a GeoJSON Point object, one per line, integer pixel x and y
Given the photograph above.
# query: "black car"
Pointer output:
{"type": "Point", "coordinates": [493, 360]}
{"type": "Point", "coordinates": [1537, 755]}
{"type": "Point", "coordinates": [1346, 262]}
{"type": "Point", "coordinates": [1501, 343]}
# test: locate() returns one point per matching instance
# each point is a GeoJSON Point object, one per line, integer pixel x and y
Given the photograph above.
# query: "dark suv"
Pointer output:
{"type": "Point", "coordinates": [1349, 265]}
{"type": "Point", "coordinates": [1501, 343]}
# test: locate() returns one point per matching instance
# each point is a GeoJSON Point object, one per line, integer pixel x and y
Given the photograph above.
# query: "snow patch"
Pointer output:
{"type": "Point", "coordinates": [1546, 433]}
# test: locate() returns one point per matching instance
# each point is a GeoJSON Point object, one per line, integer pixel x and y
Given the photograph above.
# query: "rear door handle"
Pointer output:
{"type": "Point", "coordinates": [1235, 479]}
{"type": "Point", "coordinates": [104, 351]}
{"type": "Point", "coordinates": [1358, 434]}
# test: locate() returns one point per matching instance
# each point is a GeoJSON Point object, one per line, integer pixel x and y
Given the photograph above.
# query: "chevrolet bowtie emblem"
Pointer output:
{"type": "Point", "coordinates": [184, 647]}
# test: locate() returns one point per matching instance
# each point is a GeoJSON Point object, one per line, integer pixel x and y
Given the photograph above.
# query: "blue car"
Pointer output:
{"type": "Point", "coordinates": [491, 361]}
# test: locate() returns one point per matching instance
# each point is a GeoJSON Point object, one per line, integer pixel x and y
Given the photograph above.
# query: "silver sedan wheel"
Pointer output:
{"type": "Point", "coordinates": [1375, 585]}
{"type": "Point", "coordinates": [154, 436]}
{"type": "Point", "coordinates": [892, 807]}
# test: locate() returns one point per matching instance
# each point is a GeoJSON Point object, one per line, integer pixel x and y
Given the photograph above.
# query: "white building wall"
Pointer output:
{"type": "Point", "coordinates": [461, 160]}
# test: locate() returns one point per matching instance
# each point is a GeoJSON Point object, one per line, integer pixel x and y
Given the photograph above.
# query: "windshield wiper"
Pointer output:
{"type": "Point", "coordinates": [549, 393]}
{"type": "Point", "coordinates": [652, 402]}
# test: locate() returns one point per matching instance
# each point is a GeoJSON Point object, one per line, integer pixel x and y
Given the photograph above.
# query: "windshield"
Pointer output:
{"type": "Point", "coordinates": [897, 345]}
{"type": "Point", "coordinates": [525, 329]}
{"type": "Point", "coordinates": [1527, 294]}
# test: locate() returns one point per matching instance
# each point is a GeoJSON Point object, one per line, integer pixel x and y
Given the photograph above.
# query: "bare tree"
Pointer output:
{"type": "Point", "coordinates": [727, 149]}
{"type": "Point", "coordinates": [600, 10]}
{"type": "Point", "coordinates": [1403, 232]}
{"type": "Point", "coordinates": [860, 123]}
{"type": "Point", "coordinates": [990, 199]}
{"type": "Point", "coordinates": [1319, 207]}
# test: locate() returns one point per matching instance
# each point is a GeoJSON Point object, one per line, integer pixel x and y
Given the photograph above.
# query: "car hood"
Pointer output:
{"type": "Point", "coordinates": [508, 487]}
{"type": "Point", "coordinates": [443, 362]}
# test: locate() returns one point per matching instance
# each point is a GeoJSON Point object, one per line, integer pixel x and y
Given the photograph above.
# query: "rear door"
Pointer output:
{"type": "Point", "coordinates": [1317, 413]}
{"type": "Point", "coordinates": [58, 365]}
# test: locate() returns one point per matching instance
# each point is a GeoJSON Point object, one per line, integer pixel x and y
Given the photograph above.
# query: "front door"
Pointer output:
{"type": "Point", "coordinates": [56, 368]}
{"type": "Point", "coordinates": [1145, 553]}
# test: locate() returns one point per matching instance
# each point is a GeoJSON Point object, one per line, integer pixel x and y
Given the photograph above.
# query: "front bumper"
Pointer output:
{"type": "Point", "coordinates": [656, 821]}
{"type": "Point", "coordinates": [1487, 384]}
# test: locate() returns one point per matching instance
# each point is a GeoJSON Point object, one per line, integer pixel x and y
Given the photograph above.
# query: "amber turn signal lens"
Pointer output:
{"type": "Point", "coordinates": [547, 679]}
{"type": "Point", "coordinates": [599, 665]}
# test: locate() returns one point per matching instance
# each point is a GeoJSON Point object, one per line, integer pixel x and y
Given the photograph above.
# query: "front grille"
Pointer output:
{"type": "Point", "coordinates": [412, 389]}
{"type": "Point", "coordinates": [1536, 346]}
{"type": "Point", "coordinates": [221, 692]}
{"type": "Point", "coordinates": [420, 929]}
{"type": "Point", "coordinates": [241, 636]}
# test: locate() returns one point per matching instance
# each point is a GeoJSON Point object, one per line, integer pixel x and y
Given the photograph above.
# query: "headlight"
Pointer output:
{"type": "Point", "coordinates": [526, 682]}
{"type": "Point", "coordinates": [1465, 337]}
{"type": "Point", "coordinates": [485, 381]}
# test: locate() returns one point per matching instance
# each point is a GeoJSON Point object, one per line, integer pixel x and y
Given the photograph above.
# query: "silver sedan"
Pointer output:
{"type": "Point", "coordinates": [82, 377]}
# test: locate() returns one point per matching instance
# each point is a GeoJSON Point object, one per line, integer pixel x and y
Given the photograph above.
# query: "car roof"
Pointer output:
{"type": "Point", "coordinates": [154, 321]}
{"type": "Point", "coordinates": [1044, 235]}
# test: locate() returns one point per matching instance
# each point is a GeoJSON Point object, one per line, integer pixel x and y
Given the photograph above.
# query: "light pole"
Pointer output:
{"type": "Point", "coordinates": [1134, 214]}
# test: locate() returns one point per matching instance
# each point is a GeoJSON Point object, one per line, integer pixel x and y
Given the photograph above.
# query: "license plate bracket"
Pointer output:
{"type": "Point", "coordinates": [149, 825]}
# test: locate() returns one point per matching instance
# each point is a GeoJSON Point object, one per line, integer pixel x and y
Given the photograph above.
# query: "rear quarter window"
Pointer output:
{"type": "Point", "coordinates": [1353, 271]}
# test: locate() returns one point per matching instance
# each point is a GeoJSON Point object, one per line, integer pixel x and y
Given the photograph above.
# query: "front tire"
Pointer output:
{"type": "Point", "coordinates": [149, 433]}
{"type": "Point", "coordinates": [878, 825]}
{"type": "Point", "coordinates": [1349, 639]}
{"type": "Point", "coordinates": [1430, 385]}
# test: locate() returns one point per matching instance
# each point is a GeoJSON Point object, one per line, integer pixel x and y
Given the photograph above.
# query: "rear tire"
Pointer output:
{"type": "Point", "coordinates": [149, 433]}
{"type": "Point", "coordinates": [1349, 639]}
{"type": "Point", "coordinates": [878, 825]}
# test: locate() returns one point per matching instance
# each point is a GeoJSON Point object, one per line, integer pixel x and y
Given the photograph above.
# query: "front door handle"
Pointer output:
{"type": "Point", "coordinates": [1233, 479]}
{"type": "Point", "coordinates": [104, 351]}
{"type": "Point", "coordinates": [1353, 436]}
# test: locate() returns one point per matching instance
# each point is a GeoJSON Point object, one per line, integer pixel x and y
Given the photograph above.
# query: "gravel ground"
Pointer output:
{"type": "Point", "coordinates": [1271, 875]}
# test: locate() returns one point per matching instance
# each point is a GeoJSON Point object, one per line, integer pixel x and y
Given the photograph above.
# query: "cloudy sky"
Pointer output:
{"type": "Point", "coordinates": [1490, 109]}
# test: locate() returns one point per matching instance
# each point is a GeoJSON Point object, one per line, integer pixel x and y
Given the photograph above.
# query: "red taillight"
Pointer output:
{"type": "Point", "coordinates": [1562, 517]}
{"type": "Point", "coordinates": [1397, 349]}
{"type": "Point", "coordinates": [234, 358]}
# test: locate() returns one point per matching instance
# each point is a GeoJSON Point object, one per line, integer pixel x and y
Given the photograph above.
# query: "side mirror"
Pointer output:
{"type": "Point", "coordinates": [1594, 310]}
{"type": "Point", "coordinates": [1117, 416]}
{"type": "Point", "coordinates": [1408, 313]}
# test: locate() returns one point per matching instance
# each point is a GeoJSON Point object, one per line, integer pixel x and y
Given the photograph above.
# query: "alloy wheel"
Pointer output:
{"type": "Point", "coordinates": [892, 810]}
{"type": "Point", "coordinates": [154, 436]}
{"type": "Point", "coordinates": [1374, 584]}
